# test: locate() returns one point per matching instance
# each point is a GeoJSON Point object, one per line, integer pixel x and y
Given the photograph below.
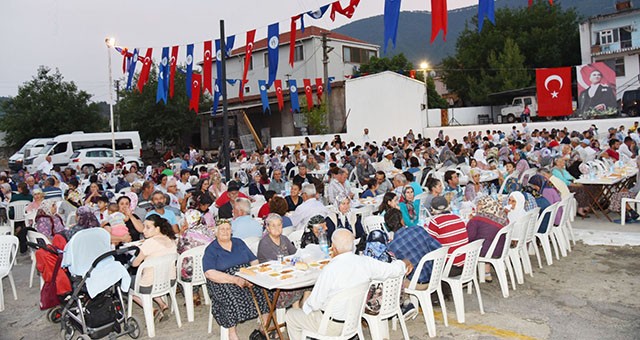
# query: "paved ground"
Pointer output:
{"type": "Point", "coordinates": [591, 294]}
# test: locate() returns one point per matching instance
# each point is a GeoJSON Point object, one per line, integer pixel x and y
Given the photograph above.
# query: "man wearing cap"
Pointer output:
{"type": "Point", "coordinates": [448, 229]}
{"type": "Point", "coordinates": [386, 164]}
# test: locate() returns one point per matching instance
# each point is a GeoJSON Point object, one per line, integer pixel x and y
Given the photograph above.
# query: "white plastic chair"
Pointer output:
{"type": "Point", "coordinates": [197, 278]}
{"type": "Point", "coordinates": [350, 300]}
{"type": "Point", "coordinates": [558, 238]}
{"type": "Point", "coordinates": [623, 206]}
{"type": "Point", "coordinates": [252, 242]}
{"type": "Point", "coordinates": [353, 178]}
{"type": "Point", "coordinates": [526, 175]}
{"type": "Point", "coordinates": [296, 237]}
{"type": "Point", "coordinates": [438, 256]}
{"type": "Point", "coordinates": [468, 276]}
{"type": "Point", "coordinates": [501, 264]}
{"type": "Point", "coordinates": [8, 251]}
{"type": "Point", "coordinates": [545, 238]}
{"type": "Point", "coordinates": [33, 237]}
{"type": "Point", "coordinates": [18, 213]}
{"type": "Point", "coordinates": [518, 254]}
{"type": "Point", "coordinates": [530, 243]}
{"type": "Point", "coordinates": [372, 223]}
{"type": "Point", "coordinates": [163, 267]}
{"type": "Point", "coordinates": [389, 308]}
{"type": "Point", "coordinates": [292, 172]}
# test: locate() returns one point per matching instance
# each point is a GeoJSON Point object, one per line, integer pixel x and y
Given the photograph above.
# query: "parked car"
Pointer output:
{"type": "Point", "coordinates": [630, 104]}
{"type": "Point", "coordinates": [88, 160]}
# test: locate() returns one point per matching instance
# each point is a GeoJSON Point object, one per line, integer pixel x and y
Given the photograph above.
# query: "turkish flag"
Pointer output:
{"type": "Point", "coordinates": [206, 68]}
{"type": "Point", "coordinates": [346, 11]}
{"type": "Point", "coordinates": [292, 39]}
{"type": "Point", "coordinates": [412, 74]}
{"type": "Point", "coordinates": [438, 19]}
{"type": "Point", "coordinates": [278, 84]}
{"type": "Point", "coordinates": [196, 83]}
{"type": "Point", "coordinates": [554, 91]}
{"type": "Point", "coordinates": [247, 60]}
{"type": "Point", "coordinates": [172, 68]}
{"type": "Point", "coordinates": [146, 67]}
{"type": "Point", "coordinates": [308, 92]}
{"type": "Point", "coordinates": [319, 89]}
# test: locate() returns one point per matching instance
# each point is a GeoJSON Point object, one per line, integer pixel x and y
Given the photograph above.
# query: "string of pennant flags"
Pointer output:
{"type": "Point", "coordinates": [198, 83]}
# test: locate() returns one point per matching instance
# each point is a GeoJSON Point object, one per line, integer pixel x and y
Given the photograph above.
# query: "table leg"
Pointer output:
{"type": "Point", "coordinates": [595, 201]}
{"type": "Point", "coordinates": [272, 313]}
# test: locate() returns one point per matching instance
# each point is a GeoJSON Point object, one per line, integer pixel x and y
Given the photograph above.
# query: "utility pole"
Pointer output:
{"type": "Point", "coordinates": [117, 103]}
{"type": "Point", "coordinates": [225, 115]}
{"type": "Point", "coordinates": [325, 64]}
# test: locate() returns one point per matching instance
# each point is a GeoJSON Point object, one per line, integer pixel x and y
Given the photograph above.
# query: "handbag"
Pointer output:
{"type": "Point", "coordinates": [630, 216]}
{"type": "Point", "coordinates": [257, 335]}
{"type": "Point", "coordinates": [48, 293]}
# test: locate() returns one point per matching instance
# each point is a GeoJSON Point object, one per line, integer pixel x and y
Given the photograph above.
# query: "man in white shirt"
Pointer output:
{"type": "Point", "coordinates": [346, 270]}
{"type": "Point", "coordinates": [184, 184]}
{"type": "Point", "coordinates": [243, 225]}
{"type": "Point", "coordinates": [338, 186]}
{"type": "Point", "coordinates": [365, 136]}
{"type": "Point", "coordinates": [309, 208]}
{"type": "Point", "coordinates": [46, 166]}
{"type": "Point", "coordinates": [587, 154]}
{"type": "Point", "coordinates": [625, 148]}
{"type": "Point", "coordinates": [386, 164]}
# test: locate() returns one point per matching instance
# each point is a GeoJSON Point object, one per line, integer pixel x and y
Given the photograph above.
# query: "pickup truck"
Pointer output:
{"type": "Point", "coordinates": [512, 112]}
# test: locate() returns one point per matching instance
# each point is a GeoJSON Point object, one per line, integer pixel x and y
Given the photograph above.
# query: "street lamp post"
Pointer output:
{"type": "Point", "coordinates": [111, 42]}
{"type": "Point", "coordinates": [424, 66]}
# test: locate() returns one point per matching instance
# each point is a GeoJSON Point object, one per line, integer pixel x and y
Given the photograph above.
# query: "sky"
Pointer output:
{"type": "Point", "coordinates": [69, 34]}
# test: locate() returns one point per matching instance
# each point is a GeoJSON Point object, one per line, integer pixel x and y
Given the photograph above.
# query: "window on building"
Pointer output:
{"type": "Point", "coordinates": [606, 37]}
{"type": "Point", "coordinates": [356, 55]}
{"type": "Point", "coordinates": [247, 89]}
{"type": "Point", "coordinates": [250, 63]}
{"type": "Point", "coordinates": [619, 67]}
{"type": "Point", "coordinates": [265, 57]}
{"type": "Point", "coordinates": [298, 54]}
{"type": "Point", "coordinates": [625, 37]}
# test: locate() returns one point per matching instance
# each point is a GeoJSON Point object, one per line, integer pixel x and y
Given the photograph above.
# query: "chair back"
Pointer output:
{"type": "Point", "coordinates": [34, 237]}
{"type": "Point", "coordinates": [196, 254]}
{"type": "Point", "coordinates": [18, 210]}
{"type": "Point", "coordinates": [8, 251]}
{"type": "Point", "coordinates": [439, 257]}
{"type": "Point", "coordinates": [521, 226]}
{"type": "Point", "coordinates": [530, 231]}
{"type": "Point", "coordinates": [551, 210]}
{"type": "Point", "coordinates": [292, 172]}
{"type": "Point", "coordinates": [564, 205]}
{"type": "Point", "coordinates": [252, 242]}
{"type": "Point", "coordinates": [504, 232]}
{"type": "Point", "coordinates": [526, 175]}
{"type": "Point", "coordinates": [426, 177]}
{"type": "Point", "coordinates": [472, 253]}
{"type": "Point", "coordinates": [296, 237]}
{"type": "Point", "coordinates": [164, 270]}
{"type": "Point", "coordinates": [373, 222]}
{"type": "Point", "coordinates": [421, 197]}
{"type": "Point", "coordinates": [391, 289]}
{"type": "Point", "coordinates": [352, 301]}
{"type": "Point", "coordinates": [353, 178]}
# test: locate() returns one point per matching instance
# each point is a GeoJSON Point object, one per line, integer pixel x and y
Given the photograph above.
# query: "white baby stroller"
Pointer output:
{"type": "Point", "coordinates": [96, 308]}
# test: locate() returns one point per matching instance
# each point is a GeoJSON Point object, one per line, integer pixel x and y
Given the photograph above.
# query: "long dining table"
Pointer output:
{"type": "Point", "coordinates": [605, 186]}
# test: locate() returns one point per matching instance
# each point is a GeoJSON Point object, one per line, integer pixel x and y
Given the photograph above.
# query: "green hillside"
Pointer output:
{"type": "Point", "coordinates": [414, 30]}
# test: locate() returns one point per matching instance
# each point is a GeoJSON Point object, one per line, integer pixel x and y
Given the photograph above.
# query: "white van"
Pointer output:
{"type": "Point", "coordinates": [32, 147]}
{"type": "Point", "coordinates": [62, 147]}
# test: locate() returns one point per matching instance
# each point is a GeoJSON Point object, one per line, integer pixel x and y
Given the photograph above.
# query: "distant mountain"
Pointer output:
{"type": "Point", "coordinates": [414, 30]}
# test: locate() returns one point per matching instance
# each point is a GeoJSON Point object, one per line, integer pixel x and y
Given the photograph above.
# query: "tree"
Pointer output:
{"type": "Point", "coordinates": [171, 123]}
{"type": "Point", "coordinates": [400, 64]}
{"type": "Point", "coordinates": [47, 106]}
{"type": "Point", "coordinates": [547, 36]}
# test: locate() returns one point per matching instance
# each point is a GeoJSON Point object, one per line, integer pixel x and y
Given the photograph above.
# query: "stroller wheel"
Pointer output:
{"type": "Point", "coordinates": [133, 328]}
{"type": "Point", "coordinates": [84, 337]}
{"type": "Point", "coordinates": [54, 314]}
{"type": "Point", "coordinates": [67, 332]}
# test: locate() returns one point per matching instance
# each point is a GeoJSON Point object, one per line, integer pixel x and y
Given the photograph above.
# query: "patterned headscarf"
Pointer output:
{"type": "Point", "coordinates": [377, 246]}
{"type": "Point", "coordinates": [410, 207]}
{"type": "Point", "coordinates": [86, 218]}
{"type": "Point", "coordinates": [492, 209]}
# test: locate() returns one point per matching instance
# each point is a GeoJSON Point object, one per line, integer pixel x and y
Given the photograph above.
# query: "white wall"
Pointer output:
{"type": "Point", "coordinates": [281, 141]}
{"type": "Point", "coordinates": [464, 115]}
{"type": "Point", "coordinates": [386, 103]}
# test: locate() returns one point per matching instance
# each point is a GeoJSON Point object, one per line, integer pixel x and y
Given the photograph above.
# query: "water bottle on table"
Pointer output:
{"type": "Point", "coordinates": [324, 244]}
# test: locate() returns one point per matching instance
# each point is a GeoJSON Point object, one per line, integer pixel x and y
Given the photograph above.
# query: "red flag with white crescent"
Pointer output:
{"type": "Point", "coordinates": [319, 89]}
{"type": "Point", "coordinates": [412, 74]}
{"type": "Point", "coordinates": [346, 11]}
{"type": "Point", "coordinates": [206, 67]}
{"type": "Point", "coordinates": [292, 38]}
{"type": "Point", "coordinates": [248, 49]}
{"type": "Point", "coordinates": [196, 83]}
{"type": "Point", "coordinates": [553, 87]}
{"type": "Point", "coordinates": [146, 67]}
{"type": "Point", "coordinates": [438, 19]}
{"type": "Point", "coordinates": [173, 61]}
{"type": "Point", "coordinates": [308, 92]}
{"type": "Point", "coordinates": [278, 84]}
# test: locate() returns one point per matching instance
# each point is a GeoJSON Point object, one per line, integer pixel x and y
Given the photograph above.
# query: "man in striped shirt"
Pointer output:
{"type": "Point", "coordinates": [448, 229]}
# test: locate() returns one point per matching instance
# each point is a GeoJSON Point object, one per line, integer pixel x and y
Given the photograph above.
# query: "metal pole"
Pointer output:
{"type": "Point", "coordinates": [325, 66]}
{"type": "Point", "coordinates": [225, 116]}
{"type": "Point", "coordinates": [118, 102]}
{"type": "Point", "coordinates": [113, 136]}
{"type": "Point", "coordinates": [426, 95]}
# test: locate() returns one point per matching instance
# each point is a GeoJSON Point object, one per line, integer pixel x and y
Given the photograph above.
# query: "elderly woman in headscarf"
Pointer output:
{"type": "Point", "coordinates": [474, 186]}
{"type": "Point", "coordinates": [315, 225]}
{"type": "Point", "coordinates": [515, 206]}
{"type": "Point", "coordinates": [410, 207]}
{"type": "Point", "coordinates": [85, 219]}
{"type": "Point", "coordinates": [487, 222]}
{"type": "Point", "coordinates": [520, 159]}
{"type": "Point", "coordinates": [47, 221]}
{"type": "Point", "coordinates": [545, 195]}
{"type": "Point", "coordinates": [503, 153]}
{"type": "Point", "coordinates": [342, 219]}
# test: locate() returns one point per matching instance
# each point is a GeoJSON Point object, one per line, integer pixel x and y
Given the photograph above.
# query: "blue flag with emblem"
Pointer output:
{"type": "Point", "coordinates": [274, 43]}
{"type": "Point", "coordinates": [293, 94]}
{"type": "Point", "coordinates": [486, 8]}
{"type": "Point", "coordinates": [131, 68]}
{"type": "Point", "coordinates": [189, 69]}
{"type": "Point", "coordinates": [216, 96]}
{"type": "Point", "coordinates": [263, 96]}
{"type": "Point", "coordinates": [328, 86]}
{"type": "Point", "coordinates": [391, 18]}
{"type": "Point", "coordinates": [163, 76]}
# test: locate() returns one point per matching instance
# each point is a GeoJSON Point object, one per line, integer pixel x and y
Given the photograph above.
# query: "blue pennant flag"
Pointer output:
{"type": "Point", "coordinates": [229, 45]}
{"type": "Point", "coordinates": [218, 59]}
{"type": "Point", "coordinates": [189, 69]}
{"type": "Point", "coordinates": [274, 43]}
{"type": "Point", "coordinates": [131, 68]}
{"type": "Point", "coordinates": [163, 76]}
{"type": "Point", "coordinates": [391, 18]}
{"type": "Point", "coordinates": [233, 82]}
{"type": "Point", "coordinates": [263, 96]}
{"type": "Point", "coordinates": [293, 94]}
{"type": "Point", "coordinates": [486, 8]}
{"type": "Point", "coordinates": [328, 86]}
{"type": "Point", "coordinates": [216, 96]}
{"type": "Point", "coordinates": [317, 14]}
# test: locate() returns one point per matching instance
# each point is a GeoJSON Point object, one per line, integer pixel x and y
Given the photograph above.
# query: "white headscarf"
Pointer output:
{"type": "Point", "coordinates": [518, 212]}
